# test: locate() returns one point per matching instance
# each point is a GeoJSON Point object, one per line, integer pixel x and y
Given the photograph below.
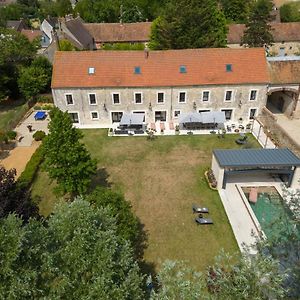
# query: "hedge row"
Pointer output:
{"type": "Point", "coordinates": [27, 176]}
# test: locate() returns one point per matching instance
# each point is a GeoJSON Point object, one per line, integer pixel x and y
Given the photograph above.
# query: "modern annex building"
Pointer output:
{"type": "Point", "coordinates": [98, 87]}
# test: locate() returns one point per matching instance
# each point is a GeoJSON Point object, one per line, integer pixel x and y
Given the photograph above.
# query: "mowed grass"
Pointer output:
{"type": "Point", "coordinates": [162, 179]}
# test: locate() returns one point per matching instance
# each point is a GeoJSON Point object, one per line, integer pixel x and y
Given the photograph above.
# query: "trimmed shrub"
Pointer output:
{"type": "Point", "coordinates": [47, 106]}
{"type": "Point", "coordinates": [37, 107]}
{"type": "Point", "coordinates": [11, 135]}
{"type": "Point", "coordinates": [39, 135]}
{"type": "Point", "coordinates": [27, 176]}
{"type": "Point", "coordinates": [45, 99]}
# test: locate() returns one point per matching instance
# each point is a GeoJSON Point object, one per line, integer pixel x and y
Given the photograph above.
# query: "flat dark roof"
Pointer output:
{"type": "Point", "coordinates": [256, 158]}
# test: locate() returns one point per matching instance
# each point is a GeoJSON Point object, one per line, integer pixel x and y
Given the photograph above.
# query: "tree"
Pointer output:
{"type": "Point", "coordinates": [13, 198]}
{"type": "Point", "coordinates": [258, 30]}
{"type": "Point", "coordinates": [236, 10]}
{"type": "Point", "coordinates": [77, 254]}
{"type": "Point", "coordinates": [289, 12]}
{"type": "Point", "coordinates": [179, 26]}
{"type": "Point", "coordinates": [66, 159]}
{"type": "Point", "coordinates": [65, 45]}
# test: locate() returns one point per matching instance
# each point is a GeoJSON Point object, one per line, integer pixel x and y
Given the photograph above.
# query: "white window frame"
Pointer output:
{"type": "Point", "coordinates": [161, 92]}
{"type": "Point", "coordinates": [92, 115]}
{"type": "Point", "coordinates": [91, 70]}
{"type": "Point", "coordinates": [112, 98]}
{"type": "Point", "coordinates": [66, 94]}
{"type": "Point", "coordinates": [208, 100]}
{"type": "Point", "coordinates": [90, 99]}
{"type": "Point", "coordinates": [185, 98]}
{"type": "Point", "coordinates": [255, 95]}
{"type": "Point", "coordinates": [232, 95]}
{"type": "Point", "coordinates": [176, 117]}
{"type": "Point", "coordinates": [250, 111]}
{"type": "Point", "coordinates": [232, 114]}
{"type": "Point", "coordinates": [142, 97]}
{"type": "Point", "coordinates": [75, 112]}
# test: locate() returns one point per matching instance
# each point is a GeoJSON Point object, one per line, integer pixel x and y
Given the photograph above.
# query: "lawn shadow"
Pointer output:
{"type": "Point", "coordinates": [3, 154]}
{"type": "Point", "coordinates": [100, 179]}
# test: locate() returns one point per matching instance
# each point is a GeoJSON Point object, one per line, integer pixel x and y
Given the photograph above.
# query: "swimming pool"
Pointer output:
{"type": "Point", "coordinates": [269, 209]}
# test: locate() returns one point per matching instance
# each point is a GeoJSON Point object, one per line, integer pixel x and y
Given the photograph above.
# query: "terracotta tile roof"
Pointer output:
{"type": "Point", "coordinates": [117, 32]}
{"type": "Point", "coordinates": [161, 68]}
{"type": "Point", "coordinates": [287, 32]}
{"type": "Point", "coordinates": [31, 34]}
{"type": "Point", "coordinates": [284, 72]}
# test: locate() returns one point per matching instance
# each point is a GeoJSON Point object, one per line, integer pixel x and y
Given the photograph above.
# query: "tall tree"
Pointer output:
{"type": "Point", "coordinates": [77, 254]}
{"type": "Point", "coordinates": [189, 24]}
{"type": "Point", "coordinates": [14, 199]}
{"type": "Point", "coordinates": [66, 159]}
{"type": "Point", "coordinates": [236, 10]}
{"type": "Point", "coordinates": [258, 30]}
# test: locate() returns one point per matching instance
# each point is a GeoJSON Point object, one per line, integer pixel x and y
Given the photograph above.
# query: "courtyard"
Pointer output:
{"type": "Point", "coordinates": [162, 179]}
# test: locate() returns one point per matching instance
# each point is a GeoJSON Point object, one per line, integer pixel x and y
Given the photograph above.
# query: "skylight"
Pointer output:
{"type": "Point", "coordinates": [228, 67]}
{"type": "Point", "coordinates": [182, 69]}
{"type": "Point", "coordinates": [91, 70]}
{"type": "Point", "coordinates": [137, 70]}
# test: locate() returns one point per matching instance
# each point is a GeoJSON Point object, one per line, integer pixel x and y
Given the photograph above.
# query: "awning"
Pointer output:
{"type": "Point", "coordinates": [203, 117]}
{"type": "Point", "coordinates": [132, 119]}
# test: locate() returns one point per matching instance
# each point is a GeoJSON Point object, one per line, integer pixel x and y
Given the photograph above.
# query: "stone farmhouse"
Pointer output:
{"type": "Point", "coordinates": [98, 87]}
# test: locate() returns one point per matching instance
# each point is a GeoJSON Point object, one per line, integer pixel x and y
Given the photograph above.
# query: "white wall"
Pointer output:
{"type": "Point", "coordinates": [218, 172]}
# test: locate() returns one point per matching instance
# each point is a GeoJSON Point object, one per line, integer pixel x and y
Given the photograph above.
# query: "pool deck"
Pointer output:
{"type": "Point", "coordinates": [243, 222]}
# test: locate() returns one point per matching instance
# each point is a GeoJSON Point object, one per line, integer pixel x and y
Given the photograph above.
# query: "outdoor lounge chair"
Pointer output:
{"type": "Point", "coordinates": [199, 209]}
{"type": "Point", "coordinates": [203, 221]}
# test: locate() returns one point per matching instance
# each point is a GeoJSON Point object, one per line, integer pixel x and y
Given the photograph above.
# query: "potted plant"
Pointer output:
{"type": "Point", "coordinates": [177, 129]}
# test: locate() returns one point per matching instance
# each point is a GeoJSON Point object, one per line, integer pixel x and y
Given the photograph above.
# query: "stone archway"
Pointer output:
{"type": "Point", "coordinates": [282, 101]}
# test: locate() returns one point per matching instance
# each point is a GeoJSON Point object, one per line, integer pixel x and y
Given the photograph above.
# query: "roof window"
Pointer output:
{"type": "Point", "coordinates": [137, 70]}
{"type": "Point", "coordinates": [91, 70]}
{"type": "Point", "coordinates": [228, 67]}
{"type": "Point", "coordinates": [182, 69]}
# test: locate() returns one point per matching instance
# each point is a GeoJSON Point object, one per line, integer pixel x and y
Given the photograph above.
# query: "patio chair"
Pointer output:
{"type": "Point", "coordinates": [203, 221]}
{"type": "Point", "coordinates": [242, 140]}
{"type": "Point", "coordinates": [198, 209]}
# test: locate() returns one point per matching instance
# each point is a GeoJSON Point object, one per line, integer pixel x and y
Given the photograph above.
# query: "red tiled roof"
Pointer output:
{"type": "Point", "coordinates": [119, 32]}
{"type": "Point", "coordinates": [161, 68]}
{"type": "Point", "coordinates": [31, 34]}
{"type": "Point", "coordinates": [282, 32]}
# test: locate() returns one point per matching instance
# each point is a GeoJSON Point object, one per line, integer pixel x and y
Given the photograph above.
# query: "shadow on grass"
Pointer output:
{"type": "Point", "coordinates": [100, 179]}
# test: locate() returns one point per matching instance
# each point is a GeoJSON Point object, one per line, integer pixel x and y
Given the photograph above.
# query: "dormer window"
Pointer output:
{"type": "Point", "coordinates": [137, 70]}
{"type": "Point", "coordinates": [229, 68]}
{"type": "Point", "coordinates": [91, 70]}
{"type": "Point", "coordinates": [182, 69]}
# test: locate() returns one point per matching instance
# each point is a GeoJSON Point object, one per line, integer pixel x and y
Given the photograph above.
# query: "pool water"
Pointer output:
{"type": "Point", "coordinates": [270, 210]}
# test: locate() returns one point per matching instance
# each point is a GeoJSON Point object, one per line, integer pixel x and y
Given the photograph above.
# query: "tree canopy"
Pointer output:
{"type": "Point", "coordinates": [236, 10]}
{"type": "Point", "coordinates": [179, 26]}
{"type": "Point", "coordinates": [66, 159]}
{"type": "Point", "coordinates": [77, 254]}
{"type": "Point", "coordinates": [258, 30]}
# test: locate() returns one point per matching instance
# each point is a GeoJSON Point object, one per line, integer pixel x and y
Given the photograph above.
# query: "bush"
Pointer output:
{"type": "Point", "coordinates": [47, 106]}
{"type": "Point", "coordinates": [11, 135]}
{"type": "Point", "coordinates": [37, 107]}
{"type": "Point", "coordinates": [290, 12]}
{"type": "Point", "coordinates": [39, 135]}
{"type": "Point", "coordinates": [27, 176]}
{"type": "Point", "coordinates": [45, 99]}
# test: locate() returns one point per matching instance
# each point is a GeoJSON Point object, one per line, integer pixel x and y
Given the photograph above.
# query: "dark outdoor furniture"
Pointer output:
{"type": "Point", "coordinates": [199, 209]}
{"type": "Point", "coordinates": [203, 221]}
{"type": "Point", "coordinates": [121, 131]}
{"type": "Point", "coordinates": [40, 115]}
{"type": "Point", "coordinates": [242, 140]}
{"type": "Point", "coordinates": [139, 131]}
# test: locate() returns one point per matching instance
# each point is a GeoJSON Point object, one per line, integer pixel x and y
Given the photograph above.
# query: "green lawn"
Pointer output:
{"type": "Point", "coordinates": [11, 113]}
{"type": "Point", "coordinates": [161, 178]}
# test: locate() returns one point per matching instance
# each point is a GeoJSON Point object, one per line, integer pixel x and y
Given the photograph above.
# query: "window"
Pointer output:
{"type": "Point", "coordinates": [94, 115]}
{"type": "Point", "coordinates": [74, 117]}
{"type": "Point", "coordinates": [182, 69]}
{"type": "Point", "coordinates": [252, 113]}
{"type": "Point", "coordinates": [228, 95]}
{"type": "Point", "coordinates": [69, 99]}
{"type": "Point", "coordinates": [92, 99]}
{"type": "Point", "coordinates": [228, 114]}
{"type": "Point", "coordinates": [91, 70]}
{"type": "Point", "coordinates": [182, 96]}
{"type": "Point", "coordinates": [205, 96]}
{"type": "Point", "coordinates": [203, 110]}
{"type": "Point", "coordinates": [138, 98]}
{"type": "Point", "coordinates": [253, 94]}
{"type": "Point", "coordinates": [176, 113]}
{"type": "Point", "coordinates": [281, 51]}
{"type": "Point", "coordinates": [116, 98]}
{"type": "Point", "coordinates": [161, 116]}
{"type": "Point", "coordinates": [229, 68]}
{"type": "Point", "coordinates": [116, 116]}
{"type": "Point", "coordinates": [137, 70]}
{"type": "Point", "coordinates": [160, 97]}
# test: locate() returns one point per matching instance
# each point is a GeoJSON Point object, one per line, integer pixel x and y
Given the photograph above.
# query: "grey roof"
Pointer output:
{"type": "Point", "coordinates": [256, 158]}
{"type": "Point", "coordinates": [14, 24]}
{"type": "Point", "coordinates": [203, 117]}
{"type": "Point", "coordinates": [132, 119]}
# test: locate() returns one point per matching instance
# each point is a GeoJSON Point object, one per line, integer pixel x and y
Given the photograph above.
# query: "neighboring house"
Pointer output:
{"type": "Point", "coordinates": [286, 38]}
{"type": "Point", "coordinates": [48, 26]}
{"type": "Point", "coordinates": [97, 87]}
{"type": "Point", "coordinates": [32, 34]}
{"type": "Point", "coordinates": [17, 25]}
{"type": "Point", "coordinates": [110, 33]}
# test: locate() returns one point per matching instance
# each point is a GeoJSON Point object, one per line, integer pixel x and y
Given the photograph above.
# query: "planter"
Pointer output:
{"type": "Point", "coordinates": [208, 182]}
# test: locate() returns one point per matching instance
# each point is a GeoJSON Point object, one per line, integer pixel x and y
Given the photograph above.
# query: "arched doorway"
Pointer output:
{"type": "Point", "coordinates": [282, 101]}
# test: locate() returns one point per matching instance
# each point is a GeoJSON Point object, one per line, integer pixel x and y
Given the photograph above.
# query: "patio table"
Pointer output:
{"type": "Point", "coordinates": [40, 115]}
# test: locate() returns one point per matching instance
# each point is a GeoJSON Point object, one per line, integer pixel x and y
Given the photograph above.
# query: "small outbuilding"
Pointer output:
{"type": "Point", "coordinates": [277, 162]}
